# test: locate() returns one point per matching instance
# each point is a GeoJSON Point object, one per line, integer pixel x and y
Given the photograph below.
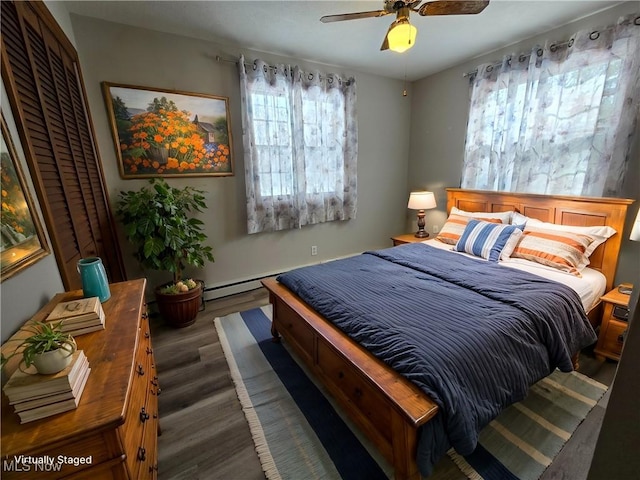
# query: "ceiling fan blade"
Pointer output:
{"type": "Point", "coordinates": [453, 7]}
{"type": "Point", "coordinates": [353, 16]}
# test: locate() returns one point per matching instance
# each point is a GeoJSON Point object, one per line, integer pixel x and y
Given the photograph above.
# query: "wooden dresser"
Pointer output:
{"type": "Point", "coordinates": [113, 432]}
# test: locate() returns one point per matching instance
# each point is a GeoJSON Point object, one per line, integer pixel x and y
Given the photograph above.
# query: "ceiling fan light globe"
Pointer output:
{"type": "Point", "coordinates": [402, 36]}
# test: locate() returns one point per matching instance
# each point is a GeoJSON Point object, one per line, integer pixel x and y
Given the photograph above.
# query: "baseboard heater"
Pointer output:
{"type": "Point", "coordinates": [212, 293]}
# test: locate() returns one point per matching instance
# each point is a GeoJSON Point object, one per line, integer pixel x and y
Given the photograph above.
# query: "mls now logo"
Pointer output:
{"type": "Point", "coordinates": [30, 464]}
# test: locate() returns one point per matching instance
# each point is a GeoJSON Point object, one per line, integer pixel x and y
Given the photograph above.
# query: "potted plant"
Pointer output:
{"type": "Point", "coordinates": [159, 221]}
{"type": "Point", "coordinates": [48, 348]}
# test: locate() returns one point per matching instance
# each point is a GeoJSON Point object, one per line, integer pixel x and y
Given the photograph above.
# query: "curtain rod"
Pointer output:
{"type": "Point", "coordinates": [553, 47]}
{"type": "Point", "coordinates": [272, 67]}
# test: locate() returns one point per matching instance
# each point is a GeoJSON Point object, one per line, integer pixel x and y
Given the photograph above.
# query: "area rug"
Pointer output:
{"type": "Point", "coordinates": [300, 433]}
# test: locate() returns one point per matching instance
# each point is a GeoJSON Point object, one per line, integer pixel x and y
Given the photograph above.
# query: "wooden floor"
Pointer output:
{"type": "Point", "coordinates": [204, 431]}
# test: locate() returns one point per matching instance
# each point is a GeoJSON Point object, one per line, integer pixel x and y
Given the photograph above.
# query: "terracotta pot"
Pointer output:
{"type": "Point", "coordinates": [180, 309]}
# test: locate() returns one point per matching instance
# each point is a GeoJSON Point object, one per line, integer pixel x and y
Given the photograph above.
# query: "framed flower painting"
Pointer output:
{"type": "Point", "coordinates": [168, 133]}
{"type": "Point", "coordinates": [22, 237]}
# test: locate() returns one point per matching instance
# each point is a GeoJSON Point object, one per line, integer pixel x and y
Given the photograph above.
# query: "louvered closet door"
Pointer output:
{"type": "Point", "coordinates": [41, 72]}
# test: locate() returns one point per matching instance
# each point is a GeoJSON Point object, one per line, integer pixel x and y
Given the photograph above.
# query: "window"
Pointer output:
{"type": "Point", "coordinates": [300, 142]}
{"type": "Point", "coordinates": [556, 121]}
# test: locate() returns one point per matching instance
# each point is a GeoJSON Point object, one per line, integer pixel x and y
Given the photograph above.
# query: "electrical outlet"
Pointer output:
{"type": "Point", "coordinates": [435, 228]}
{"type": "Point", "coordinates": [314, 250]}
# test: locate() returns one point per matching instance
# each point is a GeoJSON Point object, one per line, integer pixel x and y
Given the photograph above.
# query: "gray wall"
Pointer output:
{"type": "Point", "coordinates": [438, 125]}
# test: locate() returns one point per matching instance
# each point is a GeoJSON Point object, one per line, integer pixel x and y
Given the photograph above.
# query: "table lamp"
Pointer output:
{"type": "Point", "coordinates": [421, 201]}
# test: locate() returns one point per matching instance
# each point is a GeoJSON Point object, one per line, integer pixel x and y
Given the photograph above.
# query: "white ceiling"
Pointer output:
{"type": "Point", "coordinates": [292, 28]}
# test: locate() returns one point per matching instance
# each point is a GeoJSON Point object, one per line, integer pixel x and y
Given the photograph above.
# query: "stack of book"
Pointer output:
{"type": "Point", "coordinates": [36, 396]}
{"type": "Point", "coordinates": [78, 316]}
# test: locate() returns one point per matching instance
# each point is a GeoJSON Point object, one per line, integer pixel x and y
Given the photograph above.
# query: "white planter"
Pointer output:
{"type": "Point", "coordinates": [54, 361]}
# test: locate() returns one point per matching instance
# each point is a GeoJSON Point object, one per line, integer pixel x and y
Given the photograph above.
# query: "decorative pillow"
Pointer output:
{"type": "Point", "coordinates": [488, 240]}
{"type": "Point", "coordinates": [555, 248]}
{"type": "Point", "coordinates": [454, 226]}
{"type": "Point", "coordinates": [599, 233]}
{"type": "Point", "coordinates": [504, 217]}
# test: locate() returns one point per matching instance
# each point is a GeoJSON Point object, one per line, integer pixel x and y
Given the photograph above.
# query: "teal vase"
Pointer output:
{"type": "Point", "coordinates": [94, 278]}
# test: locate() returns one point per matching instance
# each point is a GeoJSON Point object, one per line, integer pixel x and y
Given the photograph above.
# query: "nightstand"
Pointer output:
{"type": "Point", "coordinates": [407, 238]}
{"type": "Point", "coordinates": [615, 320]}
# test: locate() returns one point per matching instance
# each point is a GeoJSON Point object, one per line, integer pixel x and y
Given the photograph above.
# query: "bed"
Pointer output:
{"type": "Point", "coordinates": [397, 413]}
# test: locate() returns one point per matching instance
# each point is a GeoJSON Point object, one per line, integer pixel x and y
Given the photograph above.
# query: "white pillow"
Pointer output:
{"type": "Point", "coordinates": [505, 217]}
{"type": "Point", "coordinates": [518, 219]}
{"type": "Point", "coordinates": [599, 233]}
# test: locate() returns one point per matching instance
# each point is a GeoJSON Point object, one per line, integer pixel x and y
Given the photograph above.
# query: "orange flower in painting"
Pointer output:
{"type": "Point", "coordinates": [166, 139]}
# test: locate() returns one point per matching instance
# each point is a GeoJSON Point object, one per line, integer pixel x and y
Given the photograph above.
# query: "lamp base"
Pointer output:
{"type": "Point", "coordinates": [421, 234]}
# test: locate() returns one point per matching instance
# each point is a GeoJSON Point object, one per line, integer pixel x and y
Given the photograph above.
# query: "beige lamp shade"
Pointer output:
{"type": "Point", "coordinates": [401, 36]}
{"type": "Point", "coordinates": [422, 200]}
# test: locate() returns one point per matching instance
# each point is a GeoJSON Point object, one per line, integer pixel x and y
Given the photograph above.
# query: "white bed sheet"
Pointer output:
{"type": "Point", "coordinates": [590, 287]}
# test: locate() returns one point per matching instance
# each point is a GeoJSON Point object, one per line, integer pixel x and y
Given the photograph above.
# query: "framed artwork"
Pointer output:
{"type": "Point", "coordinates": [167, 133]}
{"type": "Point", "coordinates": [22, 237]}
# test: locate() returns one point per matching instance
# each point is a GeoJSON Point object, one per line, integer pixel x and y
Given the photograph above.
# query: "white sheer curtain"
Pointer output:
{"type": "Point", "coordinates": [300, 142]}
{"type": "Point", "coordinates": [558, 120]}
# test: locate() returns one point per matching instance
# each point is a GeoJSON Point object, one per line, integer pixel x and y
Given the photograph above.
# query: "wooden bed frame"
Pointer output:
{"type": "Point", "coordinates": [387, 407]}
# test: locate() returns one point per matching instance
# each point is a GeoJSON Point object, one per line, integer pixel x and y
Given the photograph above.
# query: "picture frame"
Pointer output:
{"type": "Point", "coordinates": [22, 240]}
{"type": "Point", "coordinates": [167, 133]}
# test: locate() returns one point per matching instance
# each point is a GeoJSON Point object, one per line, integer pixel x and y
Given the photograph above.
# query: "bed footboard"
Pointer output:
{"type": "Point", "coordinates": [386, 407]}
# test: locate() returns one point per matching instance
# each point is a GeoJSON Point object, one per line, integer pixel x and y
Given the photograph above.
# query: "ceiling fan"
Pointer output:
{"type": "Point", "coordinates": [401, 35]}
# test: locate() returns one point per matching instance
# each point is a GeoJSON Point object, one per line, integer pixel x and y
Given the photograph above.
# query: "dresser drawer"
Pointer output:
{"type": "Point", "coordinates": [138, 413]}
{"type": "Point", "coordinates": [146, 455]}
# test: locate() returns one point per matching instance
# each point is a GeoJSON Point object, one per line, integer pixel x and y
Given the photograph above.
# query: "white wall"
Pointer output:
{"type": "Point", "coordinates": [439, 120]}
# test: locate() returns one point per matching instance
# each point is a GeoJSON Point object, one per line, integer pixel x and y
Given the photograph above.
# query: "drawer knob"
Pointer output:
{"type": "Point", "coordinates": [149, 350]}
{"type": "Point", "coordinates": [142, 454]}
{"type": "Point", "coordinates": [140, 370]}
{"type": "Point", "coordinates": [358, 393]}
{"type": "Point", "coordinates": [146, 335]}
{"type": "Point", "coordinates": [144, 416]}
{"type": "Point", "coordinates": [340, 375]}
{"type": "Point", "coordinates": [153, 468]}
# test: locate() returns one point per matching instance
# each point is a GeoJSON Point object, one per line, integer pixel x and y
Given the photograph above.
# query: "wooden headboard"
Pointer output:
{"type": "Point", "coordinates": [559, 209]}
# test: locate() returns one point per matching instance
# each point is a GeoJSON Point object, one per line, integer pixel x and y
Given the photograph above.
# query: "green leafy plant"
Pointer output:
{"type": "Point", "coordinates": [159, 221]}
{"type": "Point", "coordinates": [45, 337]}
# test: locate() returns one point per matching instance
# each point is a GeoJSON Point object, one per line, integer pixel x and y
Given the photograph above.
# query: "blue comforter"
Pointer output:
{"type": "Point", "coordinates": [473, 335]}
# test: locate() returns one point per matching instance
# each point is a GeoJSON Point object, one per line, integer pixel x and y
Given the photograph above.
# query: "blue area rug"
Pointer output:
{"type": "Point", "coordinates": [300, 434]}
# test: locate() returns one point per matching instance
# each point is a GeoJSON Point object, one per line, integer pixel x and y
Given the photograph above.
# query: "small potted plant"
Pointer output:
{"type": "Point", "coordinates": [159, 220]}
{"type": "Point", "coordinates": [48, 348]}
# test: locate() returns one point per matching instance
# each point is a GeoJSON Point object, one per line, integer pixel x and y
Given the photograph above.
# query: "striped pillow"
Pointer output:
{"type": "Point", "coordinates": [455, 225]}
{"type": "Point", "coordinates": [488, 240]}
{"type": "Point", "coordinates": [554, 248]}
